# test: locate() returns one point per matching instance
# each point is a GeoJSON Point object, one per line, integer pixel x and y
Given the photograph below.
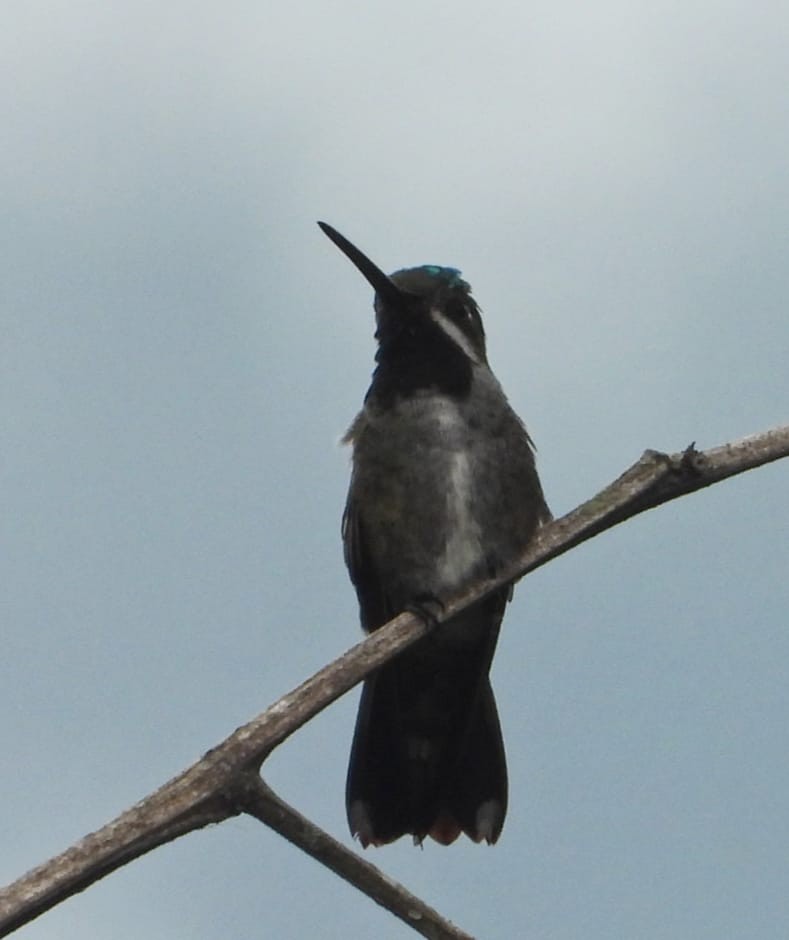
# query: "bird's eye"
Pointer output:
{"type": "Point", "coordinates": [458, 311]}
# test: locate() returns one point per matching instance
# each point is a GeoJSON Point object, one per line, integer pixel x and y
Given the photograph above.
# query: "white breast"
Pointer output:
{"type": "Point", "coordinates": [464, 546]}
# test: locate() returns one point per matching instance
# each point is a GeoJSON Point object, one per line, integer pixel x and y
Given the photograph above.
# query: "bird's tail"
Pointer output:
{"type": "Point", "coordinates": [427, 756]}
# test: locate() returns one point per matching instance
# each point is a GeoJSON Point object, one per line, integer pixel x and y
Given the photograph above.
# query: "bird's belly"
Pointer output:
{"type": "Point", "coordinates": [421, 472]}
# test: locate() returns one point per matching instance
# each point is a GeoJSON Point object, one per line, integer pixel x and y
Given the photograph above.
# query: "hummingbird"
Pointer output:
{"type": "Point", "coordinates": [444, 490]}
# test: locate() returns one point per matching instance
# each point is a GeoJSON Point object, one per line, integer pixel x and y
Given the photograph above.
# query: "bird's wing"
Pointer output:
{"type": "Point", "coordinates": [374, 606]}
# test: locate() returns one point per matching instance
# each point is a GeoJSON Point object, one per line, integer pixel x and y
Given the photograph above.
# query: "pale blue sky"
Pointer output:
{"type": "Point", "coordinates": [182, 349]}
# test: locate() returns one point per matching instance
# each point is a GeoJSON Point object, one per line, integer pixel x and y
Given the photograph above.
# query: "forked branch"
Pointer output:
{"type": "Point", "coordinates": [226, 782]}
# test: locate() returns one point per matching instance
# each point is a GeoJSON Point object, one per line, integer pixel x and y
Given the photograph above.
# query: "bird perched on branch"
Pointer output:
{"type": "Point", "coordinates": [443, 490]}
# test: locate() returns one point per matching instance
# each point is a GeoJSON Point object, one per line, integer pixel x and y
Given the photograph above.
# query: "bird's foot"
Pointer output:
{"type": "Point", "coordinates": [428, 607]}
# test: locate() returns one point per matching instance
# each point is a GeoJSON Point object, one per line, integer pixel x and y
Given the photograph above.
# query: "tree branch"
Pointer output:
{"type": "Point", "coordinates": [261, 802]}
{"type": "Point", "coordinates": [225, 781]}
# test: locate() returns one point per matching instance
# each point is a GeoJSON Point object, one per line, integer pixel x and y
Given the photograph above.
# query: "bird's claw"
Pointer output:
{"type": "Point", "coordinates": [428, 607]}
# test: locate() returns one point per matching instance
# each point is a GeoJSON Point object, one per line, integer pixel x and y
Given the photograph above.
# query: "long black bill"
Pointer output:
{"type": "Point", "coordinates": [383, 285]}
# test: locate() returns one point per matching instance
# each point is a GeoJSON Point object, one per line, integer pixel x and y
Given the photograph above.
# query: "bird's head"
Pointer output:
{"type": "Point", "coordinates": [427, 311]}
